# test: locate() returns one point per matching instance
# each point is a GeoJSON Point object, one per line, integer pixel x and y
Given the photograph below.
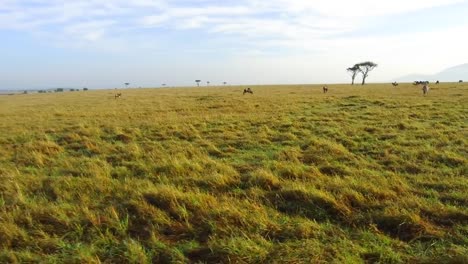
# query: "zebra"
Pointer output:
{"type": "Point", "coordinates": [425, 89]}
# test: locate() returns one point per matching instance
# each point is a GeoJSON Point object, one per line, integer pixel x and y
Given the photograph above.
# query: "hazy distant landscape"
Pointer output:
{"type": "Point", "coordinates": [288, 174]}
{"type": "Point", "coordinates": [452, 74]}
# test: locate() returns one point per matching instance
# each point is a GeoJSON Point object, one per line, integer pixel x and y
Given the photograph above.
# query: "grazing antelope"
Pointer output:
{"type": "Point", "coordinates": [394, 83]}
{"type": "Point", "coordinates": [325, 89]}
{"type": "Point", "coordinates": [248, 90]}
{"type": "Point", "coordinates": [117, 95]}
{"type": "Point", "coordinates": [425, 89]}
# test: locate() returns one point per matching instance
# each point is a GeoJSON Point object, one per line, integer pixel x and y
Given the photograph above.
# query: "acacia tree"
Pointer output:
{"type": "Point", "coordinates": [126, 85]}
{"type": "Point", "coordinates": [198, 82]}
{"type": "Point", "coordinates": [365, 68]}
{"type": "Point", "coordinates": [353, 71]}
{"type": "Point", "coordinates": [224, 83]}
{"type": "Point", "coordinates": [208, 83]}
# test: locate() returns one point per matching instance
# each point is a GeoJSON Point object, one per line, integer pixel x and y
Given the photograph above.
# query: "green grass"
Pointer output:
{"type": "Point", "coordinates": [372, 174]}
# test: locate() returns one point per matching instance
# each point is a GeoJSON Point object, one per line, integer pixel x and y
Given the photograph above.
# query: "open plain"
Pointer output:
{"type": "Point", "coordinates": [287, 174]}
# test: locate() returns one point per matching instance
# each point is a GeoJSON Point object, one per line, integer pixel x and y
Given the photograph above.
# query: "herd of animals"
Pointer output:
{"type": "Point", "coordinates": [425, 88]}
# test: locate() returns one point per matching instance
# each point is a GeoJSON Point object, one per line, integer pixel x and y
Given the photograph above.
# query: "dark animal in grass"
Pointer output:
{"type": "Point", "coordinates": [420, 82]}
{"type": "Point", "coordinates": [248, 90]}
{"type": "Point", "coordinates": [425, 89]}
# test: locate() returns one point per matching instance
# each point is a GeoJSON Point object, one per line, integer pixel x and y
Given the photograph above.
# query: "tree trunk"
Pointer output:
{"type": "Point", "coordinates": [364, 76]}
{"type": "Point", "coordinates": [353, 77]}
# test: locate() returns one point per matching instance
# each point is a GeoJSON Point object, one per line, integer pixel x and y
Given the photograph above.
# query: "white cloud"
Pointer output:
{"type": "Point", "coordinates": [154, 20]}
{"type": "Point", "coordinates": [357, 8]}
{"type": "Point", "coordinates": [91, 30]}
{"type": "Point", "coordinates": [278, 19]}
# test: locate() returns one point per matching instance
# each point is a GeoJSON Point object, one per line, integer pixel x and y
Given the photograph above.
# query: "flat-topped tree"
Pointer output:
{"type": "Point", "coordinates": [198, 82]}
{"type": "Point", "coordinates": [354, 72]}
{"type": "Point", "coordinates": [365, 68]}
{"type": "Point", "coordinates": [127, 84]}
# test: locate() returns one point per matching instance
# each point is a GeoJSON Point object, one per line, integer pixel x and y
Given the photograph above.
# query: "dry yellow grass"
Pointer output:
{"type": "Point", "coordinates": [288, 174]}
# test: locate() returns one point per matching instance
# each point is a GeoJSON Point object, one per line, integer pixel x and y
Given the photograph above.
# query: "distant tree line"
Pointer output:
{"type": "Point", "coordinates": [57, 90]}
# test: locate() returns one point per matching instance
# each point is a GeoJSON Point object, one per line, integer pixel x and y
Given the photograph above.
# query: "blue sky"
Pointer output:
{"type": "Point", "coordinates": [104, 43]}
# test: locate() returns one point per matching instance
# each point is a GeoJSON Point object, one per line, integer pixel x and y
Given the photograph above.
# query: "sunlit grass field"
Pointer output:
{"type": "Point", "coordinates": [363, 174]}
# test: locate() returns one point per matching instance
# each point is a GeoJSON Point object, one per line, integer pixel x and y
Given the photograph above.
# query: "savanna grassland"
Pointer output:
{"type": "Point", "coordinates": [372, 174]}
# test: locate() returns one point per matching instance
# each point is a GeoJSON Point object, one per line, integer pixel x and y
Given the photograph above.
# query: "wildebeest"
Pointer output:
{"type": "Point", "coordinates": [117, 95]}
{"type": "Point", "coordinates": [394, 83]}
{"type": "Point", "coordinates": [248, 90]}
{"type": "Point", "coordinates": [325, 89]}
{"type": "Point", "coordinates": [425, 89]}
{"type": "Point", "coordinates": [420, 82]}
